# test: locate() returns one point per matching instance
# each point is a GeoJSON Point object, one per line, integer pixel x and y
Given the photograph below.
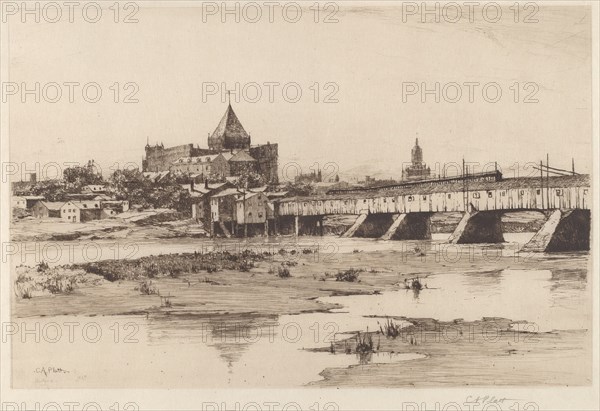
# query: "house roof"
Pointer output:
{"type": "Point", "coordinates": [226, 155]}
{"type": "Point", "coordinates": [242, 156]}
{"type": "Point", "coordinates": [211, 187]}
{"type": "Point", "coordinates": [52, 205]}
{"type": "Point", "coordinates": [276, 194]}
{"type": "Point", "coordinates": [230, 127]}
{"type": "Point", "coordinates": [250, 195]}
{"type": "Point", "coordinates": [155, 175]}
{"type": "Point", "coordinates": [86, 205]}
{"type": "Point", "coordinates": [227, 192]}
{"type": "Point", "coordinates": [31, 197]}
{"type": "Point", "coordinates": [196, 192]}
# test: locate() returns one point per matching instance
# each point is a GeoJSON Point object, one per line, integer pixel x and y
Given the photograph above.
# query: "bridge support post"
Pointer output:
{"type": "Point", "coordinates": [359, 220]}
{"type": "Point", "coordinates": [412, 226]}
{"type": "Point", "coordinates": [563, 231]}
{"type": "Point", "coordinates": [478, 227]}
{"type": "Point", "coordinates": [321, 226]}
{"type": "Point", "coordinates": [296, 225]}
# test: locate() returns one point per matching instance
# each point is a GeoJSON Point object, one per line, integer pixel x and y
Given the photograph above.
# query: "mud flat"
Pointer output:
{"type": "Point", "coordinates": [458, 328]}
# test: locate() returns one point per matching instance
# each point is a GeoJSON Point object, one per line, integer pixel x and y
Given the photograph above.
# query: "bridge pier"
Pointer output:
{"type": "Point", "coordinates": [357, 223]}
{"type": "Point", "coordinates": [563, 231]}
{"type": "Point", "coordinates": [308, 225]}
{"type": "Point", "coordinates": [478, 227]}
{"type": "Point", "coordinates": [411, 226]}
{"type": "Point", "coordinates": [374, 226]}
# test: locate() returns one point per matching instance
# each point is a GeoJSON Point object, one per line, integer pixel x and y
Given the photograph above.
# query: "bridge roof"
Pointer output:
{"type": "Point", "coordinates": [580, 180]}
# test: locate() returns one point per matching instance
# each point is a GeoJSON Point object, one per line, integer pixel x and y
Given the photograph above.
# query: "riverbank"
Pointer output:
{"type": "Point", "coordinates": [166, 224]}
{"type": "Point", "coordinates": [132, 225]}
{"type": "Point", "coordinates": [493, 351]}
{"type": "Point", "coordinates": [235, 311]}
{"type": "Point", "coordinates": [215, 287]}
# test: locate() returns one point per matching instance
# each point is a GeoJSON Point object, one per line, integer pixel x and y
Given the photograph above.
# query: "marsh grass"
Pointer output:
{"type": "Point", "coordinates": [350, 275]}
{"type": "Point", "coordinates": [283, 272]}
{"type": "Point", "coordinates": [147, 288]}
{"type": "Point", "coordinates": [390, 329]}
{"type": "Point", "coordinates": [173, 265]}
{"type": "Point", "coordinates": [364, 343]}
{"type": "Point", "coordinates": [43, 279]}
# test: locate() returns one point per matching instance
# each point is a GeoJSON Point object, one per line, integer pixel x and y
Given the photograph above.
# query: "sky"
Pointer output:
{"type": "Point", "coordinates": [369, 59]}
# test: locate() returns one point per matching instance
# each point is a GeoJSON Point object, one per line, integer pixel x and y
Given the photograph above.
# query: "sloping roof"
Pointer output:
{"type": "Point", "coordinates": [196, 192]}
{"type": "Point", "coordinates": [31, 197]}
{"type": "Point", "coordinates": [155, 176]}
{"type": "Point", "coordinates": [87, 205]}
{"type": "Point", "coordinates": [230, 126]}
{"type": "Point", "coordinates": [52, 205]}
{"type": "Point", "coordinates": [276, 194]}
{"type": "Point", "coordinates": [249, 194]}
{"type": "Point", "coordinates": [211, 187]}
{"type": "Point", "coordinates": [242, 156]}
{"type": "Point", "coordinates": [226, 155]}
{"type": "Point", "coordinates": [214, 186]}
{"type": "Point", "coordinates": [227, 192]}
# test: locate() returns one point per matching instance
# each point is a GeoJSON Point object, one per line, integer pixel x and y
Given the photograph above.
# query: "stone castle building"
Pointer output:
{"type": "Point", "coordinates": [229, 153]}
{"type": "Point", "coordinates": [417, 170]}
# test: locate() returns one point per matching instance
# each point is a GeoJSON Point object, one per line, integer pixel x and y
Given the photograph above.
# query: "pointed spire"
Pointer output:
{"type": "Point", "coordinates": [230, 133]}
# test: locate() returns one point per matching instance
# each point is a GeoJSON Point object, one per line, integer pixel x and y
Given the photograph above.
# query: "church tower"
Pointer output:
{"type": "Point", "coordinates": [229, 134]}
{"type": "Point", "coordinates": [417, 154]}
{"type": "Point", "coordinates": [417, 170]}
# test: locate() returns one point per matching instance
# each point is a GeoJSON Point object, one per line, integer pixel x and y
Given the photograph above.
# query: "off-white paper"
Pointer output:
{"type": "Point", "coordinates": [299, 205]}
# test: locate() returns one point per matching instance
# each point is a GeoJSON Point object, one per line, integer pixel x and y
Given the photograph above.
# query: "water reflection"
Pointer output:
{"type": "Point", "coordinates": [553, 302]}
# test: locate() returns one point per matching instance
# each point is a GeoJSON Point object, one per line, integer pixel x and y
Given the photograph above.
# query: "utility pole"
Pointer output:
{"type": "Point", "coordinates": [573, 165]}
{"type": "Point", "coordinates": [464, 185]}
{"type": "Point", "coordinates": [245, 217]}
{"type": "Point", "coordinates": [547, 180]}
{"type": "Point", "coordinates": [542, 182]}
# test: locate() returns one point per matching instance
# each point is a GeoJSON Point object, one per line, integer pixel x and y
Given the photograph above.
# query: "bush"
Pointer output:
{"type": "Point", "coordinates": [43, 266]}
{"type": "Point", "coordinates": [173, 265]}
{"type": "Point", "coordinates": [23, 290]}
{"type": "Point", "coordinates": [350, 275]}
{"type": "Point", "coordinates": [283, 272]}
{"type": "Point", "coordinates": [246, 265]}
{"type": "Point", "coordinates": [147, 288]}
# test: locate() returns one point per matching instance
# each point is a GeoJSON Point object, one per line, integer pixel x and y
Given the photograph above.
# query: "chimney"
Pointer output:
{"type": "Point", "coordinates": [206, 183]}
{"type": "Point", "coordinates": [33, 178]}
{"type": "Point", "coordinates": [192, 185]}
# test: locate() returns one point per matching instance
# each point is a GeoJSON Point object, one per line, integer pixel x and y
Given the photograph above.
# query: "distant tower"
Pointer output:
{"type": "Point", "coordinates": [418, 169]}
{"type": "Point", "coordinates": [417, 154]}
